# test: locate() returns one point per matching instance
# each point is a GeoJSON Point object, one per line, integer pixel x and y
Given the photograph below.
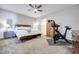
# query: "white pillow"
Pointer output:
{"type": "Point", "coordinates": [23, 28]}
{"type": "Point", "coordinates": [20, 32]}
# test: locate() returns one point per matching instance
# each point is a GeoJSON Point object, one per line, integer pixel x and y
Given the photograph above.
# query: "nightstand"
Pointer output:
{"type": "Point", "coordinates": [9, 34]}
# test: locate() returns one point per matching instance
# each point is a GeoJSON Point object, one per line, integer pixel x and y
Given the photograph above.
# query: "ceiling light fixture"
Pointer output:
{"type": "Point", "coordinates": [36, 8]}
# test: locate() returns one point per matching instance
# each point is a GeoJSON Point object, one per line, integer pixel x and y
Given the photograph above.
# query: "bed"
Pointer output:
{"type": "Point", "coordinates": [26, 32]}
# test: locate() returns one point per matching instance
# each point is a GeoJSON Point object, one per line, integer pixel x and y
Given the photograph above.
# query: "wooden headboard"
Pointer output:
{"type": "Point", "coordinates": [22, 25]}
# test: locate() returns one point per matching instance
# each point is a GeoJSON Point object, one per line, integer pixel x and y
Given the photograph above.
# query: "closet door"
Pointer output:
{"type": "Point", "coordinates": [44, 27]}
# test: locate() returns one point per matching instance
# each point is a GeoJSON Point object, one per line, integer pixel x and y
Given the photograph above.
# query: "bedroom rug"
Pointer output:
{"type": "Point", "coordinates": [59, 43]}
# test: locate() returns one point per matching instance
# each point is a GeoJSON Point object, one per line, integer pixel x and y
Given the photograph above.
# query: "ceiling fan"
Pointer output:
{"type": "Point", "coordinates": [35, 8]}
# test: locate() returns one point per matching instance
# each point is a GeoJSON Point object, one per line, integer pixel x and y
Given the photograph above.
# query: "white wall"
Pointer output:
{"type": "Point", "coordinates": [22, 19]}
{"type": "Point", "coordinates": [8, 15]}
{"type": "Point", "coordinates": [69, 16]}
{"type": "Point", "coordinates": [44, 27]}
{"type": "Point", "coordinates": [66, 17]}
{"type": "Point", "coordinates": [16, 18]}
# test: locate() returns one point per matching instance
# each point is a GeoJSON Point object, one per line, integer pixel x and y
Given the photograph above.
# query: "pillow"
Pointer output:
{"type": "Point", "coordinates": [21, 32]}
{"type": "Point", "coordinates": [23, 28]}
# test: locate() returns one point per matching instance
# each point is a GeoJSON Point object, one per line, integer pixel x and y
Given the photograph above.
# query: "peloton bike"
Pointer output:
{"type": "Point", "coordinates": [58, 35]}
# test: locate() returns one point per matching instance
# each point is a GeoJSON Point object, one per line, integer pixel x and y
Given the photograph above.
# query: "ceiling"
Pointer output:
{"type": "Point", "coordinates": [23, 9]}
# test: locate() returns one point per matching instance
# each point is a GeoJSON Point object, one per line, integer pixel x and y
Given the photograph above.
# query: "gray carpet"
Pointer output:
{"type": "Point", "coordinates": [59, 43]}
{"type": "Point", "coordinates": [36, 46]}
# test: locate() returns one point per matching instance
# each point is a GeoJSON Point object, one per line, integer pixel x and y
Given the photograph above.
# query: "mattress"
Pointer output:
{"type": "Point", "coordinates": [20, 33]}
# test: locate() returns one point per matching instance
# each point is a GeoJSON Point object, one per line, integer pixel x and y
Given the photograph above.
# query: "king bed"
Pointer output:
{"type": "Point", "coordinates": [26, 32]}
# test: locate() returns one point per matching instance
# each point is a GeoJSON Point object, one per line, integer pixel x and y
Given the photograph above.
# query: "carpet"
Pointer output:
{"type": "Point", "coordinates": [58, 43]}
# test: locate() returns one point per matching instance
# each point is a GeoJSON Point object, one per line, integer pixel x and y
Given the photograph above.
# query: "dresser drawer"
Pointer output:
{"type": "Point", "coordinates": [9, 34]}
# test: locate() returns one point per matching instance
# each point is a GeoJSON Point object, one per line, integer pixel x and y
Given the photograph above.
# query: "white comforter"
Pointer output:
{"type": "Point", "coordinates": [21, 33]}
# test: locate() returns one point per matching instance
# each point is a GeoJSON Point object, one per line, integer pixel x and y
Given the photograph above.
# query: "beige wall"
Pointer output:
{"type": "Point", "coordinates": [22, 19]}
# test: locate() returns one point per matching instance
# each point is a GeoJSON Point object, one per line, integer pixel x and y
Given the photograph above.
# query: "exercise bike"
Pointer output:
{"type": "Point", "coordinates": [58, 35]}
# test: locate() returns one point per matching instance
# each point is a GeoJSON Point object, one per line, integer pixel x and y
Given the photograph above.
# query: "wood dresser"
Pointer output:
{"type": "Point", "coordinates": [50, 30]}
{"type": "Point", "coordinates": [75, 36]}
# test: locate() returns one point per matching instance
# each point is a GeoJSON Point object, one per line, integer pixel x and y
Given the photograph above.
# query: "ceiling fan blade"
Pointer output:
{"type": "Point", "coordinates": [35, 6]}
{"type": "Point", "coordinates": [40, 10]}
{"type": "Point", "coordinates": [31, 5]}
{"type": "Point", "coordinates": [39, 6]}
